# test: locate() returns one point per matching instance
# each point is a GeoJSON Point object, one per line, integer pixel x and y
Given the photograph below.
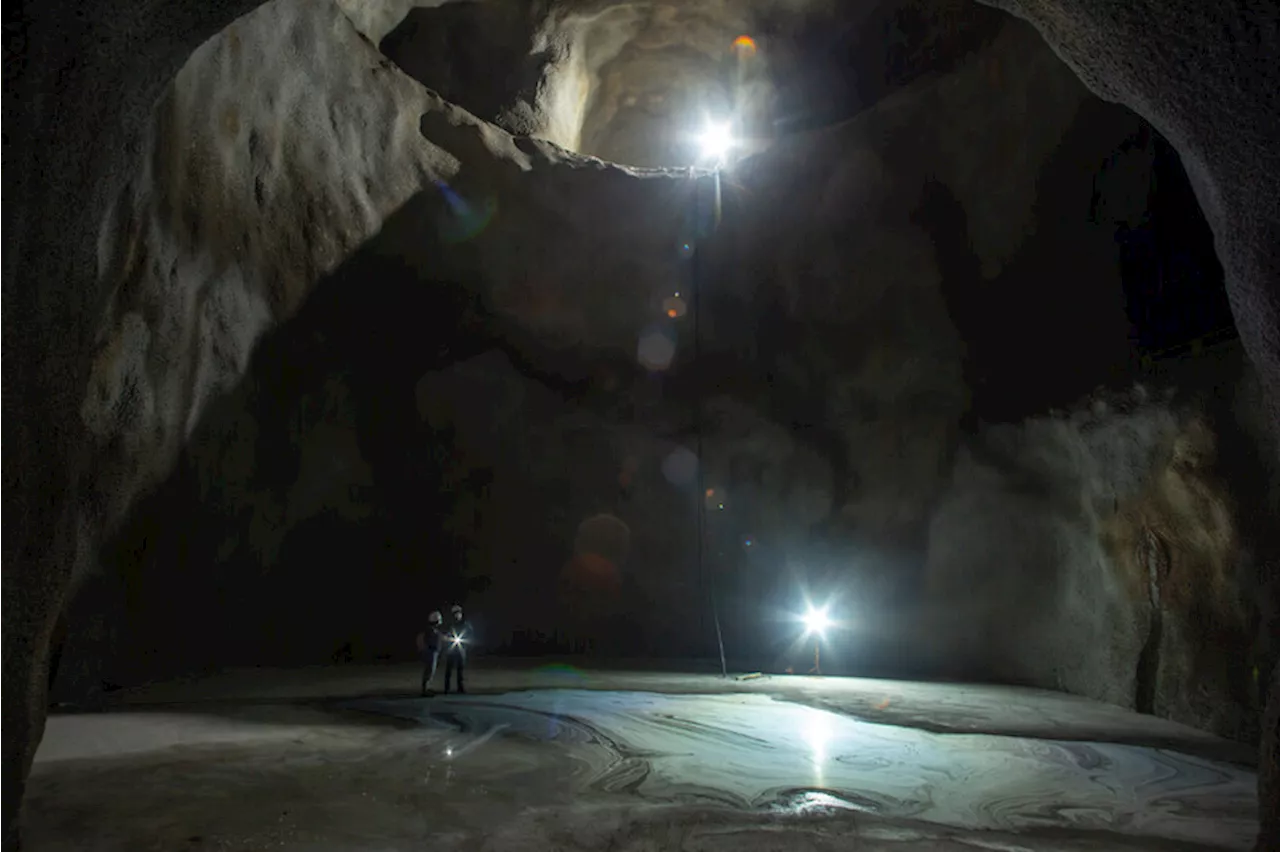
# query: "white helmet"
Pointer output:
{"type": "Point", "coordinates": [435, 617]}
{"type": "Point", "coordinates": [456, 609]}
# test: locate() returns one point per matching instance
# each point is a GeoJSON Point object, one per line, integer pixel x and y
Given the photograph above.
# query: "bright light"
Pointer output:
{"type": "Point", "coordinates": [716, 140]}
{"type": "Point", "coordinates": [817, 620]}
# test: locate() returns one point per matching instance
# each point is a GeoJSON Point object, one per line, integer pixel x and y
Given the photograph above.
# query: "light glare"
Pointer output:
{"type": "Point", "coordinates": [817, 620]}
{"type": "Point", "coordinates": [716, 140]}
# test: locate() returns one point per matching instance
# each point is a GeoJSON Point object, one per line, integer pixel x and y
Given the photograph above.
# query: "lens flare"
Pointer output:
{"type": "Point", "coordinates": [464, 220]}
{"type": "Point", "coordinates": [656, 349]}
{"type": "Point", "coordinates": [817, 621]}
{"type": "Point", "coordinates": [680, 466]}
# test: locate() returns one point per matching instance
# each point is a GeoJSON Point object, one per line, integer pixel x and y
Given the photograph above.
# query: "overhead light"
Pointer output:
{"type": "Point", "coordinates": [716, 140]}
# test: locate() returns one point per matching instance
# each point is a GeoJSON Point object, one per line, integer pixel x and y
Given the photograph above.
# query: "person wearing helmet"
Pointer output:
{"type": "Point", "coordinates": [455, 656]}
{"type": "Point", "coordinates": [429, 650]}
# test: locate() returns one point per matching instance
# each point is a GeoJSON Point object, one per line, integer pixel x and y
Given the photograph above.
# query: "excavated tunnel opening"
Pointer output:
{"type": "Point", "coordinates": [638, 84]}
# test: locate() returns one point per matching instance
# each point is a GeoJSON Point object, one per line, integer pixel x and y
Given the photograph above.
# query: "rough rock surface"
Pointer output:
{"type": "Point", "coordinates": [1109, 524]}
{"type": "Point", "coordinates": [80, 81]}
{"type": "Point", "coordinates": [1205, 76]}
{"type": "Point", "coordinates": [842, 324]}
{"type": "Point", "coordinates": [635, 83]}
{"type": "Point", "coordinates": [195, 285]}
{"type": "Point", "coordinates": [83, 93]}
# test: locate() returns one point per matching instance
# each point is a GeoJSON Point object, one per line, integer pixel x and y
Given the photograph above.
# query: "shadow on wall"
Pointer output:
{"type": "Point", "coordinates": [1022, 327]}
{"type": "Point", "coordinates": [318, 511]}
{"type": "Point", "coordinates": [834, 69]}
{"type": "Point", "coordinates": [1141, 281]}
{"type": "Point", "coordinates": [476, 55]}
{"type": "Point", "coordinates": [294, 524]}
{"type": "Point", "coordinates": [241, 554]}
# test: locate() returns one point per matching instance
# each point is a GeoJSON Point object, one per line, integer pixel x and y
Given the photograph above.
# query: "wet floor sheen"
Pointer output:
{"type": "Point", "coordinates": [345, 760]}
{"type": "Point", "coordinates": [756, 752]}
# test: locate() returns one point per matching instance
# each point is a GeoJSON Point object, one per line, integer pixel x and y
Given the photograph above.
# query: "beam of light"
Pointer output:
{"type": "Point", "coordinates": [452, 753]}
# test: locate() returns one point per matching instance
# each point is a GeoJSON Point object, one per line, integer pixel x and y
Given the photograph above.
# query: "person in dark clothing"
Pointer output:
{"type": "Point", "coordinates": [429, 649]}
{"type": "Point", "coordinates": [455, 657]}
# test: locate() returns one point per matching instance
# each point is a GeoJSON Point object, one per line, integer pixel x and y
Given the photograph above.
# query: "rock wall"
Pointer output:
{"type": "Point", "coordinates": [839, 362]}
{"type": "Point", "coordinates": [80, 84]}
{"type": "Point", "coordinates": [635, 83]}
{"type": "Point", "coordinates": [1115, 529]}
{"type": "Point", "coordinates": [1224, 125]}
{"type": "Point", "coordinates": [84, 79]}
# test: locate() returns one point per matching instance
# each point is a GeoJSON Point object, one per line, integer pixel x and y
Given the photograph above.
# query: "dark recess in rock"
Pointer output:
{"type": "Point", "coordinates": [476, 55]}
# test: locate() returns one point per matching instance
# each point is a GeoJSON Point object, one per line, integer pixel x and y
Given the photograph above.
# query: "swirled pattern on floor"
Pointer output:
{"type": "Point", "coordinates": [757, 752]}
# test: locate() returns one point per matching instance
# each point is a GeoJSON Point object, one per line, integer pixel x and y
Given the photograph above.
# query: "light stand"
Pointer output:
{"type": "Point", "coordinates": [698, 419]}
{"type": "Point", "coordinates": [816, 622]}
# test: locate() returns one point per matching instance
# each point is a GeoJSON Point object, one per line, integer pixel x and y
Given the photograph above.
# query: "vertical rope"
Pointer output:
{"type": "Point", "coordinates": [709, 586]}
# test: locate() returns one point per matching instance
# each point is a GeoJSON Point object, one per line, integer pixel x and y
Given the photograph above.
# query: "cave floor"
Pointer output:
{"type": "Point", "coordinates": [561, 758]}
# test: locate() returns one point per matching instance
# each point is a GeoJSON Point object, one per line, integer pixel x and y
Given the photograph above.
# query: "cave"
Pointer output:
{"type": "Point", "coordinates": [800, 400]}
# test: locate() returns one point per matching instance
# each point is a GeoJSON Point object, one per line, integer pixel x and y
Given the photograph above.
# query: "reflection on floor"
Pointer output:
{"type": "Point", "coordinates": [753, 751]}
{"type": "Point", "coordinates": [768, 767]}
